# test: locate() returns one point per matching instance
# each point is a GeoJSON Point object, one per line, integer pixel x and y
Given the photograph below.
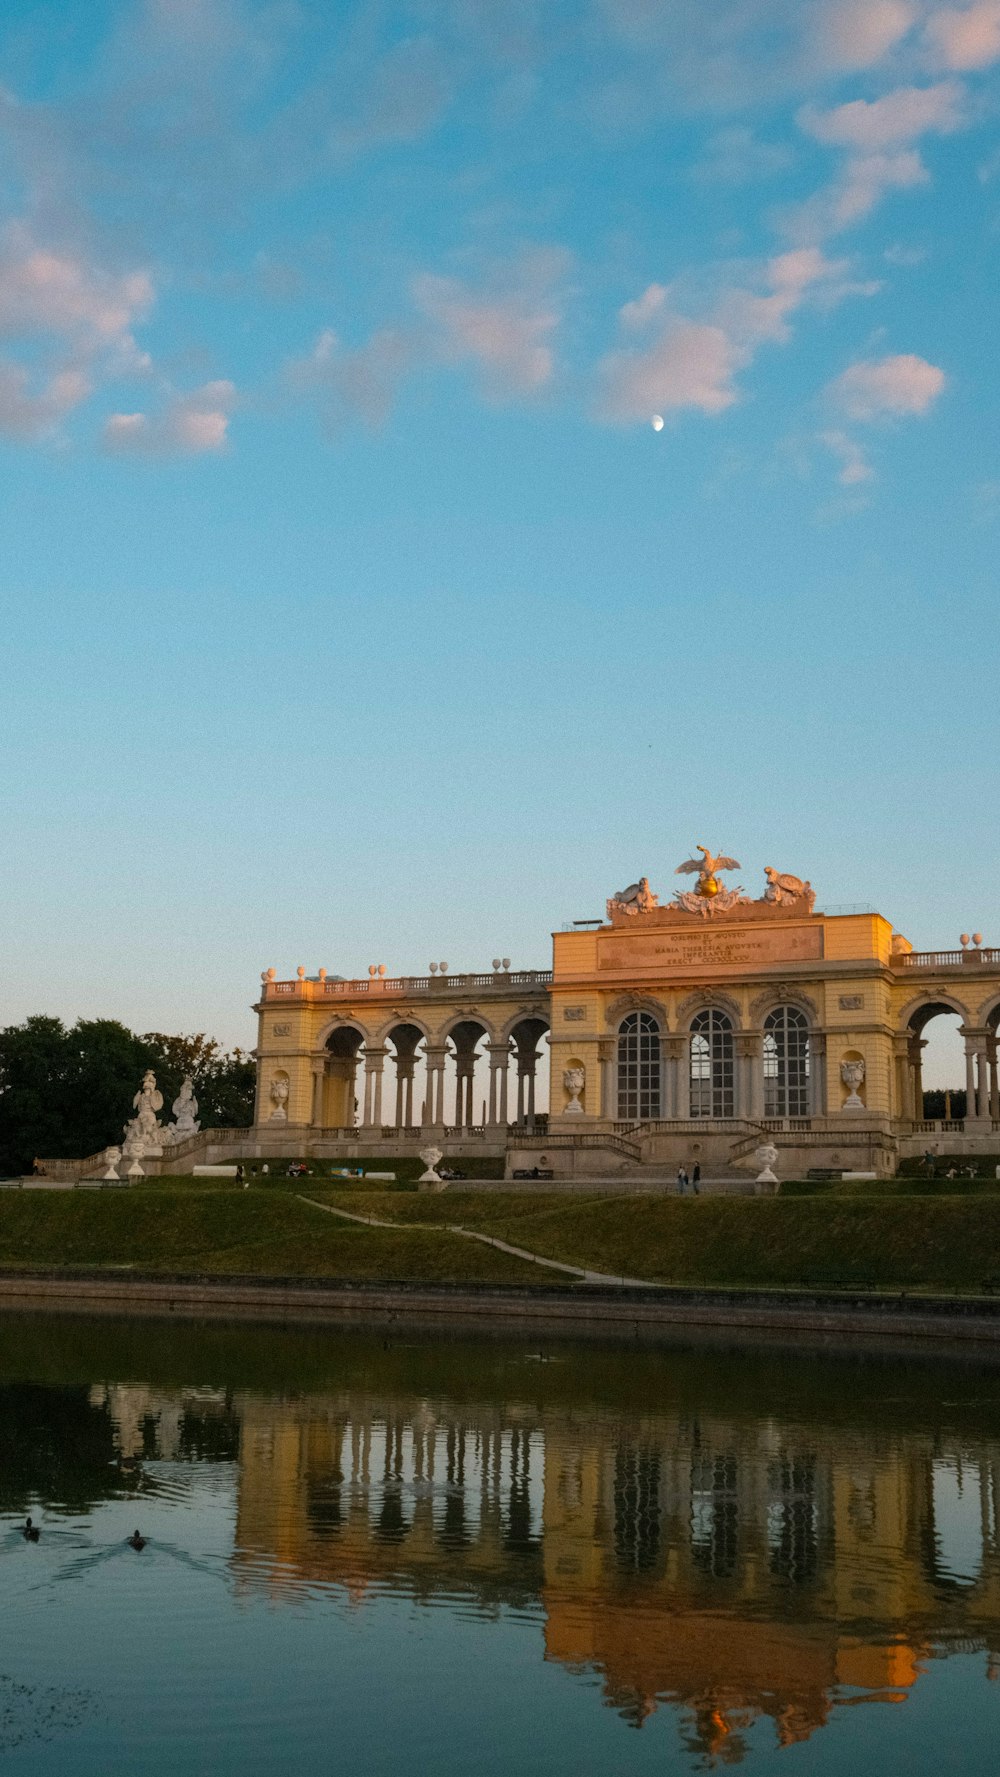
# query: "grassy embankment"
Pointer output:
{"type": "Point", "coordinates": [882, 1241]}
{"type": "Point", "coordinates": [225, 1232]}
{"type": "Point", "coordinates": [885, 1239]}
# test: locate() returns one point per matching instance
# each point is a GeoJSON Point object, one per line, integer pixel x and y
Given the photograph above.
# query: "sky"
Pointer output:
{"type": "Point", "coordinates": [455, 455]}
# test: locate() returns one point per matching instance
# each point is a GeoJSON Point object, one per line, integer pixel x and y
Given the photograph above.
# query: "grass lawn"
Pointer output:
{"type": "Point", "coordinates": [267, 1233]}
{"type": "Point", "coordinates": [949, 1243]}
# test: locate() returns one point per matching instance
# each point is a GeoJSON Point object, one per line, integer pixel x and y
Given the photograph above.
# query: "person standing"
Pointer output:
{"type": "Point", "coordinates": [696, 1176]}
{"type": "Point", "coordinates": [681, 1181]}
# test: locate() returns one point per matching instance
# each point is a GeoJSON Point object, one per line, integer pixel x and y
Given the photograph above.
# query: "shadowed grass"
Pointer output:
{"type": "Point", "coordinates": [252, 1232]}
{"type": "Point", "coordinates": [947, 1243]}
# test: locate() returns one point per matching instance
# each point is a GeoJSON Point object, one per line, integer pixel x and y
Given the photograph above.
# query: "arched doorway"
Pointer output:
{"type": "Point", "coordinates": [712, 1066]}
{"type": "Point", "coordinates": [639, 1071]}
{"type": "Point", "coordinates": [467, 1041]}
{"type": "Point", "coordinates": [532, 1079]}
{"type": "Point", "coordinates": [787, 1063]}
{"type": "Point", "coordinates": [409, 1067]}
{"type": "Point", "coordinates": [931, 1074]}
{"type": "Point", "coordinates": [339, 1086]}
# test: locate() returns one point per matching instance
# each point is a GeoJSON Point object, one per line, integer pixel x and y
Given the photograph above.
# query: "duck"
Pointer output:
{"type": "Point", "coordinates": [31, 1532]}
{"type": "Point", "coordinates": [135, 1541]}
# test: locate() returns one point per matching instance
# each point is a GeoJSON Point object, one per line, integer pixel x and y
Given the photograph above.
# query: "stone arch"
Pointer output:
{"type": "Point", "coordinates": [467, 1015]}
{"type": "Point", "coordinates": [403, 1017]}
{"type": "Point", "coordinates": [708, 999]}
{"type": "Point", "coordinates": [782, 994]}
{"type": "Point", "coordinates": [524, 1015]}
{"type": "Point", "coordinates": [341, 1022]}
{"type": "Point", "coordinates": [931, 1002]}
{"type": "Point", "coordinates": [636, 1002]}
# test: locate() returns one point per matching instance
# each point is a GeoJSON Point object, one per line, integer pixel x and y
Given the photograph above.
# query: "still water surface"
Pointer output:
{"type": "Point", "coordinates": [437, 1556]}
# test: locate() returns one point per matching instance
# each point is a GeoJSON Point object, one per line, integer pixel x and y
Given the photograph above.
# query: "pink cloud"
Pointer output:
{"type": "Point", "coordinates": [507, 328]}
{"type": "Point", "coordinates": [191, 425]}
{"type": "Point", "coordinates": [693, 363]}
{"type": "Point", "coordinates": [854, 465]}
{"type": "Point", "coordinates": [887, 388]}
{"type": "Point", "coordinates": [26, 414]}
{"type": "Point", "coordinates": [966, 37]}
{"type": "Point", "coordinates": [872, 126]}
{"type": "Point", "coordinates": [362, 380]}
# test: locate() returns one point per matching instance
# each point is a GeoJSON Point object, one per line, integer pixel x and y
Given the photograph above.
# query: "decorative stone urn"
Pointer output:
{"type": "Point", "coordinates": [279, 1099]}
{"type": "Point", "coordinates": [573, 1080]}
{"type": "Point", "coordinates": [852, 1073]}
{"type": "Point", "coordinates": [431, 1179]}
{"type": "Point", "coordinates": [765, 1157]}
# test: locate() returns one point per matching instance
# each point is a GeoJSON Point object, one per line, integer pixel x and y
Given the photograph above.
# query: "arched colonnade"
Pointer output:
{"type": "Point", "coordinates": [979, 1039]}
{"type": "Point", "coordinates": [406, 1077]}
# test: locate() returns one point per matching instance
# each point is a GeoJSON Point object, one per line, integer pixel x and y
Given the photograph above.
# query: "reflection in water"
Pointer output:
{"type": "Point", "coordinates": [812, 1545]}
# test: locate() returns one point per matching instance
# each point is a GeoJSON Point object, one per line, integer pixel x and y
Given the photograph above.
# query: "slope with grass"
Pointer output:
{"type": "Point", "coordinates": [948, 1243]}
{"type": "Point", "coordinates": [260, 1233]}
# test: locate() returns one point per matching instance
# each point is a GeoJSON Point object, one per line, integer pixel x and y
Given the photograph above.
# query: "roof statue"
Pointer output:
{"type": "Point", "coordinates": [784, 896]}
{"type": "Point", "coordinates": [783, 889]}
{"type": "Point", "coordinates": [705, 868]}
{"type": "Point", "coordinates": [709, 894]}
{"type": "Point", "coordinates": [637, 898]}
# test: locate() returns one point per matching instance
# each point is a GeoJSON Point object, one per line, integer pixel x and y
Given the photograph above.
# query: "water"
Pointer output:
{"type": "Point", "coordinates": [441, 1556]}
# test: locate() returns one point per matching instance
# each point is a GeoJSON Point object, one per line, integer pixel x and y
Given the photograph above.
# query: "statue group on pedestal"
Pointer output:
{"type": "Point", "coordinates": [145, 1136]}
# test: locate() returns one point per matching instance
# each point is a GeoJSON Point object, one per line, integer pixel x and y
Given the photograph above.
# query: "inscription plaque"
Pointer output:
{"type": "Point", "coordinates": [281, 1030]}
{"type": "Point", "coordinates": [851, 1002]}
{"type": "Point", "coordinates": [574, 1014]}
{"type": "Point", "coordinates": [686, 950]}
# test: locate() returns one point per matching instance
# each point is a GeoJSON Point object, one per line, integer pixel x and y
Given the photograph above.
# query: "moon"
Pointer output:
{"type": "Point", "coordinates": [657, 422]}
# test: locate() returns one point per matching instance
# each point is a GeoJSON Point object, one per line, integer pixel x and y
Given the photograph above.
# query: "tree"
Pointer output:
{"type": "Point", "coordinates": [65, 1094]}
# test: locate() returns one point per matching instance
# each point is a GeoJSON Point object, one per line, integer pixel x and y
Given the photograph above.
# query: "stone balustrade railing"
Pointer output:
{"type": "Point", "coordinates": [497, 982]}
{"type": "Point", "coordinates": [947, 959]}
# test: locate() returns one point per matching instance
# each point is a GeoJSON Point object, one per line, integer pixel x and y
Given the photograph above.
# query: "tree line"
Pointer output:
{"type": "Point", "coordinates": [67, 1091]}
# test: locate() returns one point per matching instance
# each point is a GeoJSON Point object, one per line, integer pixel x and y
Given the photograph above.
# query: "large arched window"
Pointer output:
{"type": "Point", "coordinates": [786, 1063]}
{"type": "Point", "coordinates": [712, 1065]}
{"type": "Point", "coordinates": [638, 1067]}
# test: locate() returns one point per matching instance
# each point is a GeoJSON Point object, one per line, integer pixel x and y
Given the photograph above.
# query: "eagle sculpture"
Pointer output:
{"type": "Point", "coordinates": [705, 866]}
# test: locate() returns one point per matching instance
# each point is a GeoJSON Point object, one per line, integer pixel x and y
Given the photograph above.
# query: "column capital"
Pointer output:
{"type": "Point", "coordinates": [499, 1053]}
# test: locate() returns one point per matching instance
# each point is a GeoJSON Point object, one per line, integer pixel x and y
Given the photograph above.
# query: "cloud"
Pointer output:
{"type": "Point", "coordinates": [360, 381]}
{"type": "Point", "coordinates": [887, 388]}
{"type": "Point", "coordinates": [26, 415]}
{"type": "Point", "coordinates": [693, 362]}
{"type": "Point", "coordinates": [58, 293]}
{"type": "Point", "coordinates": [507, 328]}
{"type": "Point", "coordinates": [854, 465]}
{"type": "Point", "coordinates": [191, 425]}
{"type": "Point", "coordinates": [879, 135]}
{"type": "Point", "coordinates": [859, 33]}
{"type": "Point", "coordinates": [876, 125]}
{"type": "Point", "coordinates": [967, 37]}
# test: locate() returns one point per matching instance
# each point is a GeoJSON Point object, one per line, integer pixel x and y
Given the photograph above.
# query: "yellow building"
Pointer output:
{"type": "Point", "coordinates": [696, 1029]}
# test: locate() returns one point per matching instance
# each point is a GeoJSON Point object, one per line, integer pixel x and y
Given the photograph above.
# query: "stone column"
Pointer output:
{"type": "Point", "coordinates": [605, 1063]}
{"type": "Point", "coordinates": [970, 1079]}
{"type": "Point", "coordinates": [319, 1080]}
{"type": "Point", "coordinates": [435, 1054]}
{"type": "Point", "coordinates": [750, 1076]}
{"type": "Point", "coordinates": [817, 1073]}
{"type": "Point", "coordinates": [374, 1063]}
{"type": "Point", "coordinates": [499, 1054]}
{"type": "Point", "coordinates": [674, 1050]}
{"type": "Point", "coordinates": [983, 1094]}
{"type": "Point", "coordinates": [994, 1081]}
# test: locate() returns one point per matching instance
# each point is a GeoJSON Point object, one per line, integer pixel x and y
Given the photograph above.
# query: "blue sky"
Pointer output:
{"type": "Point", "coordinates": [356, 610]}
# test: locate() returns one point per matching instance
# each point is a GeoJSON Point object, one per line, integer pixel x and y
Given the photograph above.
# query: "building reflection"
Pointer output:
{"type": "Point", "coordinates": [737, 1566]}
